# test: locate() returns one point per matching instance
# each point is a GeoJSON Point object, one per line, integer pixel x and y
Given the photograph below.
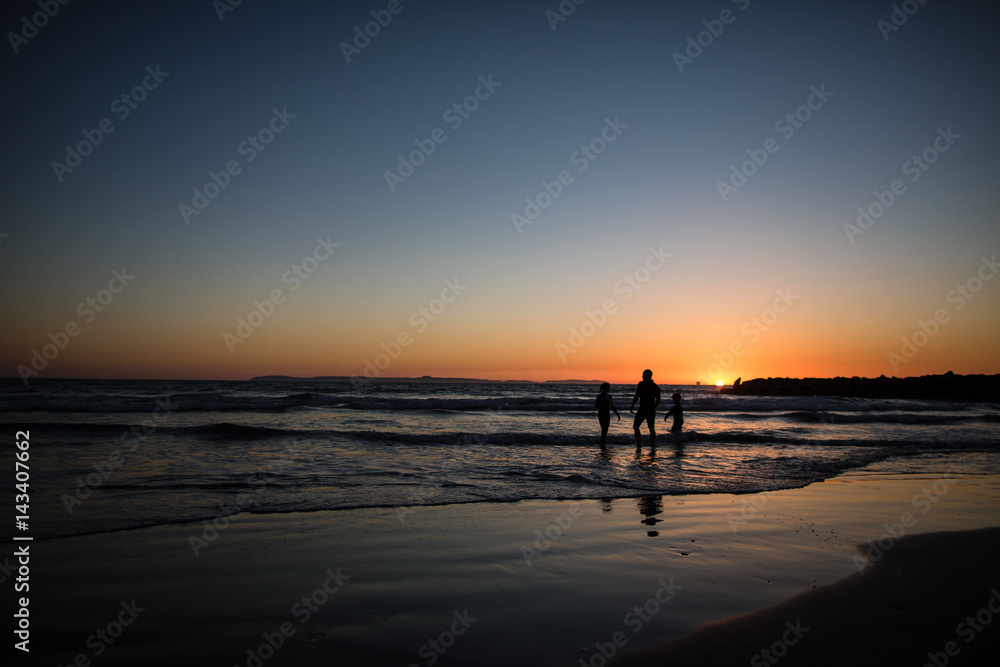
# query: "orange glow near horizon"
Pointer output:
{"type": "Point", "coordinates": [130, 353]}
{"type": "Point", "coordinates": [495, 340]}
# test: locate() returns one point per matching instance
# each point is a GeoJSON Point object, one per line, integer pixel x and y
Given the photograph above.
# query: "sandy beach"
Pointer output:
{"type": "Point", "coordinates": [929, 599]}
{"type": "Point", "coordinates": [534, 582]}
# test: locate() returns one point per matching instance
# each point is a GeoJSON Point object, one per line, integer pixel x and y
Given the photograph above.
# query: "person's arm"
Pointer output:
{"type": "Point", "coordinates": [634, 399]}
{"type": "Point", "coordinates": [656, 398]}
{"type": "Point", "coordinates": [669, 412]}
{"type": "Point", "coordinates": [612, 402]}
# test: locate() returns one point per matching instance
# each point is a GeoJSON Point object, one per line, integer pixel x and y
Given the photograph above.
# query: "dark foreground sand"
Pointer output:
{"type": "Point", "coordinates": [930, 599]}
{"type": "Point", "coordinates": [540, 582]}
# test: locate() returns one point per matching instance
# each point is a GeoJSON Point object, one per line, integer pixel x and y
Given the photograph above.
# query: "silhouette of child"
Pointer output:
{"type": "Point", "coordinates": [605, 404]}
{"type": "Point", "coordinates": [678, 412]}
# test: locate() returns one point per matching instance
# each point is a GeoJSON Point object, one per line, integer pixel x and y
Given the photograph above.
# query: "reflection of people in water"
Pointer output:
{"type": "Point", "coordinates": [678, 412]}
{"type": "Point", "coordinates": [605, 404]}
{"type": "Point", "coordinates": [648, 396]}
{"type": "Point", "coordinates": [649, 508]}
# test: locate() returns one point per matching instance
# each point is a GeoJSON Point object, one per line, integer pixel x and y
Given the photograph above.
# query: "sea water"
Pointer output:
{"type": "Point", "coordinates": [110, 455]}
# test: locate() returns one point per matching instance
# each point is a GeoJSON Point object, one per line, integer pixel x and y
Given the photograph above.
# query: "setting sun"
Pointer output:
{"type": "Point", "coordinates": [720, 383]}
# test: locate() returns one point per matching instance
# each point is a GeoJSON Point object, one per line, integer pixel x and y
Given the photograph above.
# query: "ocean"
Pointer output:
{"type": "Point", "coordinates": [110, 455]}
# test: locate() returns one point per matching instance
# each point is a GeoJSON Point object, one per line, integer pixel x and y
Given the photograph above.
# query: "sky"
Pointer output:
{"type": "Point", "coordinates": [518, 190]}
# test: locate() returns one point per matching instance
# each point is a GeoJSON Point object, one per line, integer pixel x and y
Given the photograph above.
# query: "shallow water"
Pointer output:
{"type": "Point", "coordinates": [111, 455]}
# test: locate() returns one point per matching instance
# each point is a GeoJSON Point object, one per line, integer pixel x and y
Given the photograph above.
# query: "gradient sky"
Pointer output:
{"type": "Point", "coordinates": [848, 305]}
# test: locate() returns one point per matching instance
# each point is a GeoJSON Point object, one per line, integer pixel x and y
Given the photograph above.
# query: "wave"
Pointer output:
{"type": "Point", "coordinates": [214, 500]}
{"type": "Point", "coordinates": [332, 398]}
{"type": "Point", "coordinates": [228, 430]}
{"type": "Point", "coordinates": [278, 404]}
{"type": "Point", "coordinates": [233, 434]}
{"type": "Point", "coordinates": [225, 430]}
{"type": "Point", "coordinates": [914, 418]}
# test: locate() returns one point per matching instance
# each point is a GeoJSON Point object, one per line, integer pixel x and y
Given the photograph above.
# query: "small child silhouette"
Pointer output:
{"type": "Point", "coordinates": [605, 404]}
{"type": "Point", "coordinates": [678, 412]}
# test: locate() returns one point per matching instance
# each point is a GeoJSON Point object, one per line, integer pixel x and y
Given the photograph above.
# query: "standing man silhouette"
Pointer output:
{"type": "Point", "coordinates": [648, 396]}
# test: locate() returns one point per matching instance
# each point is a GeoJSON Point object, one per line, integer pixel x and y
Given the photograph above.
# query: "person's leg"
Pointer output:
{"type": "Point", "coordinates": [651, 420]}
{"type": "Point", "coordinates": [605, 421]}
{"type": "Point", "coordinates": [636, 423]}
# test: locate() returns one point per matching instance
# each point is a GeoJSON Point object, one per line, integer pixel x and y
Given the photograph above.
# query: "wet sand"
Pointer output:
{"type": "Point", "coordinates": [533, 582]}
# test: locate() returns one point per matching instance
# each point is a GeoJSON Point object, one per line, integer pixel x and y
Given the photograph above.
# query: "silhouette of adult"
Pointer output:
{"type": "Point", "coordinates": [648, 396]}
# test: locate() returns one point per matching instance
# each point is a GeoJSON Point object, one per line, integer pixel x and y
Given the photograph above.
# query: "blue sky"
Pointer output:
{"type": "Point", "coordinates": [656, 184]}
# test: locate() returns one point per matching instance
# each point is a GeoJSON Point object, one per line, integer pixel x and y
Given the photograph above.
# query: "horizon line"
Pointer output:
{"type": "Point", "coordinates": [351, 378]}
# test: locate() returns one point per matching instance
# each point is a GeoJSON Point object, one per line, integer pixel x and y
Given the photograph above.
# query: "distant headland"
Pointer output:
{"type": "Point", "coordinates": [971, 388]}
{"type": "Point", "coordinates": [422, 378]}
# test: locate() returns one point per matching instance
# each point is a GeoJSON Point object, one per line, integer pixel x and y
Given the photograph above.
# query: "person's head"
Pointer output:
{"type": "Point", "coordinates": [676, 397]}
{"type": "Point", "coordinates": [647, 374]}
{"type": "Point", "coordinates": [605, 387]}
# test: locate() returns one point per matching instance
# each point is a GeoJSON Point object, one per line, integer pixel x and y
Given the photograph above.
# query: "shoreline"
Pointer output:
{"type": "Point", "coordinates": [276, 515]}
{"type": "Point", "coordinates": [546, 582]}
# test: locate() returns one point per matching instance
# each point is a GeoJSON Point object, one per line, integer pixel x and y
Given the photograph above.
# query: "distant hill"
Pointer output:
{"type": "Point", "coordinates": [348, 378]}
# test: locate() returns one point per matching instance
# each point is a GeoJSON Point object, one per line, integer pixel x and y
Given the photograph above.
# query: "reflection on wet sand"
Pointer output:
{"type": "Point", "coordinates": [650, 507]}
